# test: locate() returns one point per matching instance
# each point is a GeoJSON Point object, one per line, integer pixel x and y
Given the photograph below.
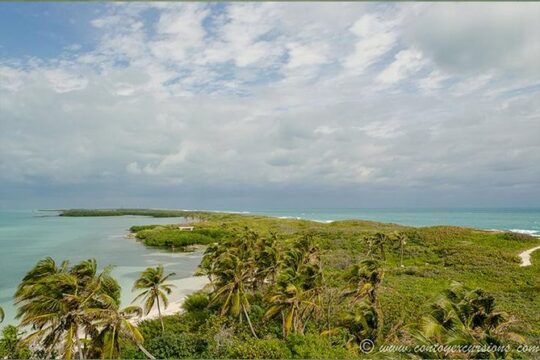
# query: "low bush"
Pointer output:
{"type": "Point", "coordinates": [154, 235]}
{"type": "Point", "coordinates": [312, 346]}
{"type": "Point", "coordinates": [258, 349]}
{"type": "Point", "coordinates": [176, 346]}
{"type": "Point", "coordinates": [196, 302]}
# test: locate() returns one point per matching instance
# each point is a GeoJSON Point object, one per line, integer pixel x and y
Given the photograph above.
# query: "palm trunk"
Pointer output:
{"type": "Point", "coordinates": [78, 344]}
{"type": "Point", "coordinates": [145, 352]}
{"type": "Point", "coordinates": [382, 253]}
{"type": "Point", "coordinates": [380, 320]}
{"type": "Point", "coordinates": [160, 317]}
{"type": "Point", "coordinates": [249, 322]}
{"type": "Point", "coordinates": [401, 256]}
{"type": "Point", "coordinates": [283, 324]}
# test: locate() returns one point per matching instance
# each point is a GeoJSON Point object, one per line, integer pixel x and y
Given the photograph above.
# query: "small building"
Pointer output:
{"type": "Point", "coordinates": [186, 228]}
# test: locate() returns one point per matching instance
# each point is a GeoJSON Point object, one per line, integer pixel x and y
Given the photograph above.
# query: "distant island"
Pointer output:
{"type": "Point", "coordinates": [290, 288]}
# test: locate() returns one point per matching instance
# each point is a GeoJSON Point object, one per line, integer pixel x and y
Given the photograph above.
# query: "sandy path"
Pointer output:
{"type": "Point", "coordinates": [183, 288]}
{"type": "Point", "coordinates": [526, 256]}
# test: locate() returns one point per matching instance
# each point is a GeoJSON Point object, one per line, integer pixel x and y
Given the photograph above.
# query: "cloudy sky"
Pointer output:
{"type": "Point", "coordinates": [269, 105]}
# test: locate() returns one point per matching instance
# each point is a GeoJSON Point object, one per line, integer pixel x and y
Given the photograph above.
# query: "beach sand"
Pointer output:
{"type": "Point", "coordinates": [183, 288]}
{"type": "Point", "coordinates": [526, 256]}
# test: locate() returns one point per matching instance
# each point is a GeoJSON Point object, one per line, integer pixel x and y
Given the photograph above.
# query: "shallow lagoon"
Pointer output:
{"type": "Point", "coordinates": [27, 236]}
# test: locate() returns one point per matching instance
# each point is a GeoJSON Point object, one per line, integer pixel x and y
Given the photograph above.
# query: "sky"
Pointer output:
{"type": "Point", "coordinates": [269, 105]}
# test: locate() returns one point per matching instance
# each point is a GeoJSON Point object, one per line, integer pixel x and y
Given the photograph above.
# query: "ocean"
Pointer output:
{"type": "Point", "coordinates": [27, 236]}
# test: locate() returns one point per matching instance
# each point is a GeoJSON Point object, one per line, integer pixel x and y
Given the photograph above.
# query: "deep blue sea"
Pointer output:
{"type": "Point", "coordinates": [27, 236]}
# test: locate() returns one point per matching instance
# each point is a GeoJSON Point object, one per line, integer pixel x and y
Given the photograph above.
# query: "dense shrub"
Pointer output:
{"type": "Point", "coordinates": [168, 236]}
{"type": "Point", "coordinates": [137, 228]}
{"type": "Point", "coordinates": [10, 346]}
{"type": "Point", "coordinates": [176, 346]}
{"type": "Point", "coordinates": [196, 302]}
{"type": "Point", "coordinates": [258, 349]}
{"type": "Point", "coordinates": [313, 346]}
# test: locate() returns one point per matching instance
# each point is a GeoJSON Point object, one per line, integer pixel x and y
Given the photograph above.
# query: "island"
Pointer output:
{"type": "Point", "coordinates": [293, 288]}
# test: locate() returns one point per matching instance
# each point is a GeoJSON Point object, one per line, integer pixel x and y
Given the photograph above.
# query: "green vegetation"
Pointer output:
{"type": "Point", "coordinates": [155, 290]}
{"type": "Point", "coordinates": [283, 288]}
{"type": "Point", "coordinates": [73, 312]}
{"type": "Point", "coordinates": [11, 346]}
{"type": "Point", "coordinates": [172, 237]}
{"type": "Point", "coordinates": [157, 213]}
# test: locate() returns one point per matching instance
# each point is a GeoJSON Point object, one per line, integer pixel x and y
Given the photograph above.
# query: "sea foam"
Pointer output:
{"type": "Point", "coordinates": [527, 232]}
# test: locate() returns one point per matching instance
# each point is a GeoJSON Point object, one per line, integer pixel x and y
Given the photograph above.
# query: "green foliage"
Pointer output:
{"type": "Point", "coordinates": [465, 317]}
{"type": "Point", "coordinates": [258, 349]}
{"type": "Point", "coordinates": [261, 271]}
{"type": "Point", "coordinates": [154, 290]}
{"type": "Point", "coordinates": [197, 301]}
{"type": "Point", "coordinates": [174, 237]}
{"type": "Point", "coordinates": [11, 346]}
{"type": "Point", "coordinates": [176, 346]}
{"type": "Point", "coordinates": [313, 346]}
{"type": "Point", "coordinates": [137, 228]}
{"type": "Point", "coordinates": [137, 212]}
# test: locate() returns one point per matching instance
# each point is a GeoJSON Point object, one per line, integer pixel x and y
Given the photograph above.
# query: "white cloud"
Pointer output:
{"type": "Point", "coordinates": [375, 38]}
{"type": "Point", "coordinates": [63, 81]}
{"type": "Point", "coordinates": [406, 63]}
{"type": "Point", "coordinates": [272, 95]}
{"type": "Point", "coordinates": [306, 55]}
{"type": "Point", "coordinates": [11, 78]}
{"type": "Point", "coordinates": [432, 82]}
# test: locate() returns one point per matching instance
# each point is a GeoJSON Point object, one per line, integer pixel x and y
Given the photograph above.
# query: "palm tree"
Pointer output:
{"type": "Point", "coordinates": [233, 278]}
{"type": "Point", "coordinates": [155, 290]}
{"type": "Point", "coordinates": [116, 329]}
{"type": "Point", "coordinates": [362, 322]}
{"type": "Point", "coordinates": [364, 280]}
{"type": "Point", "coordinates": [55, 302]}
{"type": "Point", "coordinates": [379, 240]}
{"type": "Point", "coordinates": [401, 239]}
{"type": "Point", "coordinates": [293, 304]}
{"type": "Point", "coordinates": [464, 317]}
{"type": "Point", "coordinates": [296, 294]}
{"type": "Point", "coordinates": [266, 261]}
{"type": "Point", "coordinates": [370, 245]}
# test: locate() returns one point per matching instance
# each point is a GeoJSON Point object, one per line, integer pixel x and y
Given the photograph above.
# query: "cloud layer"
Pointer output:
{"type": "Point", "coordinates": [255, 104]}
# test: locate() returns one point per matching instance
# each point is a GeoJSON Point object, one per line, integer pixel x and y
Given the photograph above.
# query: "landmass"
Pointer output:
{"type": "Point", "coordinates": [292, 288]}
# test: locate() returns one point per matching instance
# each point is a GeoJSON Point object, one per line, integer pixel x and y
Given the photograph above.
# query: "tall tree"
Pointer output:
{"type": "Point", "coordinates": [155, 290]}
{"type": "Point", "coordinates": [379, 241]}
{"type": "Point", "coordinates": [401, 239]}
{"type": "Point", "coordinates": [54, 301]}
{"type": "Point", "coordinates": [116, 328]}
{"type": "Point", "coordinates": [363, 282]}
{"type": "Point", "coordinates": [231, 284]}
{"type": "Point", "coordinates": [296, 294]}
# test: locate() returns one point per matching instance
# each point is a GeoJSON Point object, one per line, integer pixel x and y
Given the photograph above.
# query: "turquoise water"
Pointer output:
{"type": "Point", "coordinates": [26, 237]}
{"type": "Point", "coordinates": [519, 220]}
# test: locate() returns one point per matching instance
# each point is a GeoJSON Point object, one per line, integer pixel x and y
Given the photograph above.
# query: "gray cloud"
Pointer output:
{"type": "Point", "coordinates": [233, 129]}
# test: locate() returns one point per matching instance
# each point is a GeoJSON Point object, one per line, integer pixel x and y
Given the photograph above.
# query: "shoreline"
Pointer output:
{"type": "Point", "coordinates": [205, 214]}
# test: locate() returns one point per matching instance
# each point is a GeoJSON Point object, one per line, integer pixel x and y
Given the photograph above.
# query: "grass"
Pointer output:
{"type": "Point", "coordinates": [434, 257]}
